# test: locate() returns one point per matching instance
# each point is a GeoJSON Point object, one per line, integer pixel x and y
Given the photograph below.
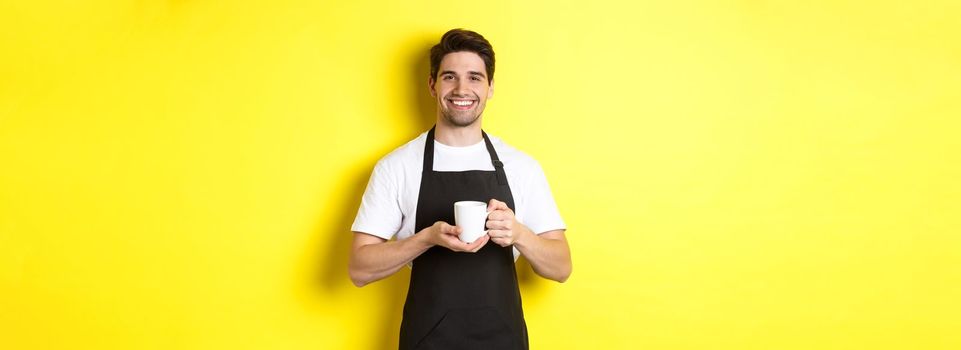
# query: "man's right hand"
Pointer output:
{"type": "Point", "coordinates": [445, 235]}
{"type": "Point", "coordinates": [373, 258]}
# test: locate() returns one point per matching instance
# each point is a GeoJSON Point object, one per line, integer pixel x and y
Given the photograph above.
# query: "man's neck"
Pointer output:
{"type": "Point", "coordinates": [458, 136]}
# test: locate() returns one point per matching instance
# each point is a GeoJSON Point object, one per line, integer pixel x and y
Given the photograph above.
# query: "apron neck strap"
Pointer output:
{"type": "Point", "coordinates": [429, 156]}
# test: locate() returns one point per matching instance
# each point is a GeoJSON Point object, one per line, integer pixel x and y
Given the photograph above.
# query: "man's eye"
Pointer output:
{"type": "Point", "coordinates": [475, 78]}
{"type": "Point", "coordinates": [448, 77]}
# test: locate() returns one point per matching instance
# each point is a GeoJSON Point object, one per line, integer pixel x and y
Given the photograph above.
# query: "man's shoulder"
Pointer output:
{"type": "Point", "coordinates": [513, 157]}
{"type": "Point", "coordinates": [404, 156]}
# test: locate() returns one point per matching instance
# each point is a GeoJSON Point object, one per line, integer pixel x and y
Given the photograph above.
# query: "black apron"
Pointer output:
{"type": "Point", "coordinates": [462, 300]}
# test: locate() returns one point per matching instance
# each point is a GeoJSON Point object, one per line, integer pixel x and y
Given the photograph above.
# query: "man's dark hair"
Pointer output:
{"type": "Point", "coordinates": [458, 40]}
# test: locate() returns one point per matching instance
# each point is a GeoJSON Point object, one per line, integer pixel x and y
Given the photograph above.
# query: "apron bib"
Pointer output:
{"type": "Point", "coordinates": [462, 300]}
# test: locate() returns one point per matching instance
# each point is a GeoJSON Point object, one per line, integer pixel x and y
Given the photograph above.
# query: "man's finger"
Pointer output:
{"type": "Point", "coordinates": [496, 205]}
{"type": "Point", "coordinates": [476, 245]}
{"type": "Point", "coordinates": [450, 229]}
{"type": "Point", "coordinates": [497, 224]}
{"type": "Point", "coordinates": [501, 214]}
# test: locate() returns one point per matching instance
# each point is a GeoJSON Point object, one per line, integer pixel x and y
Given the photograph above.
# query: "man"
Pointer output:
{"type": "Point", "coordinates": [461, 296]}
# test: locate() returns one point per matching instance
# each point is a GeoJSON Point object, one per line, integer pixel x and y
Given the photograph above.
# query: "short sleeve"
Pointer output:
{"type": "Point", "coordinates": [541, 214]}
{"type": "Point", "coordinates": [380, 214]}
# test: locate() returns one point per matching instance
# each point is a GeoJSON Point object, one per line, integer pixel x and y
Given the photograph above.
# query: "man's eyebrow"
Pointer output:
{"type": "Point", "coordinates": [469, 73]}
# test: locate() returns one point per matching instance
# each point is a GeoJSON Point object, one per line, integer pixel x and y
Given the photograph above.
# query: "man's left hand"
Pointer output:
{"type": "Point", "coordinates": [503, 227]}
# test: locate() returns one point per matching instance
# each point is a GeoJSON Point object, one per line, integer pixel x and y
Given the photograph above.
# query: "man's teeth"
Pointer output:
{"type": "Point", "coordinates": [463, 103]}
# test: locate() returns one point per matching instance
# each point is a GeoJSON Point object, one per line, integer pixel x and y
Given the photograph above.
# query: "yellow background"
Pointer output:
{"type": "Point", "coordinates": [735, 175]}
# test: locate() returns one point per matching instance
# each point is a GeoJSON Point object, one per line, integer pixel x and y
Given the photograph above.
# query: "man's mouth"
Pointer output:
{"type": "Point", "coordinates": [462, 104]}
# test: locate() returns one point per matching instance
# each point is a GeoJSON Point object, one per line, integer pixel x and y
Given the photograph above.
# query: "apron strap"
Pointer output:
{"type": "Point", "coordinates": [498, 166]}
{"type": "Point", "coordinates": [429, 152]}
{"type": "Point", "coordinates": [429, 156]}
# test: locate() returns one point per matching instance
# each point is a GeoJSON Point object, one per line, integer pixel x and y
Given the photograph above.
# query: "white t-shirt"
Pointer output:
{"type": "Point", "coordinates": [390, 201]}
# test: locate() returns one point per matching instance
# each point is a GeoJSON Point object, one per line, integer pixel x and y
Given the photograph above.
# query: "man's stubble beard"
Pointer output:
{"type": "Point", "coordinates": [461, 122]}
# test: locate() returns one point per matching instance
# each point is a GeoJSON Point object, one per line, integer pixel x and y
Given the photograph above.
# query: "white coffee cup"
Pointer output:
{"type": "Point", "coordinates": [471, 216]}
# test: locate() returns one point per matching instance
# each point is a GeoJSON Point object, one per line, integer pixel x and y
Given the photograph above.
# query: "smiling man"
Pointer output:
{"type": "Point", "coordinates": [461, 296]}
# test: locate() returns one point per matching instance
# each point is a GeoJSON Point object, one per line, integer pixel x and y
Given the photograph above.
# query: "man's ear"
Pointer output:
{"type": "Point", "coordinates": [430, 86]}
{"type": "Point", "coordinates": [490, 92]}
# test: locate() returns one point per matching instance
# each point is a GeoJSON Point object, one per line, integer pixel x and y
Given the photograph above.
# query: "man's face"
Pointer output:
{"type": "Point", "coordinates": [461, 88]}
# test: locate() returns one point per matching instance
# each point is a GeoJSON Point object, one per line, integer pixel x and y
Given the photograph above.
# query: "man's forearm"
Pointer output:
{"type": "Point", "coordinates": [548, 253]}
{"type": "Point", "coordinates": [372, 262]}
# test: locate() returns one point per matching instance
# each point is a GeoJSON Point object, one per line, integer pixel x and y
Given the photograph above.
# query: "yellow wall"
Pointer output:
{"type": "Point", "coordinates": [737, 175]}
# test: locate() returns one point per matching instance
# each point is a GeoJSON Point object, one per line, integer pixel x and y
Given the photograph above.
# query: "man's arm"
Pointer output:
{"type": "Point", "coordinates": [373, 258]}
{"type": "Point", "coordinates": [548, 253]}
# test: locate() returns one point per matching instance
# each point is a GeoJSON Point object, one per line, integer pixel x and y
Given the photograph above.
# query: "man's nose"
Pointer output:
{"type": "Point", "coordinates": [460, 87]}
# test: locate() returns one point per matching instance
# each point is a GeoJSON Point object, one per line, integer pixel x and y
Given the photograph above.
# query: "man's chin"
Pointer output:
{"type": "Point", "coordinates": [461, 121]}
